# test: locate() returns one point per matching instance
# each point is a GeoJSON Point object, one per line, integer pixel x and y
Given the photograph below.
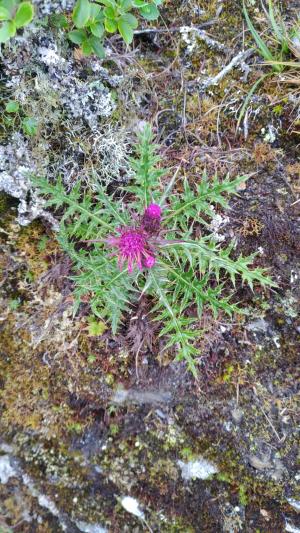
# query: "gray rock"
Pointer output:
{"type": "Point", "coordinates": [16, 166]}
{"type": "Point", "coordinates": [258, 325]}
{"type": "Point", "coordinates": [46, 7]}
{"type": "Point", "coordinates": [260, 463]}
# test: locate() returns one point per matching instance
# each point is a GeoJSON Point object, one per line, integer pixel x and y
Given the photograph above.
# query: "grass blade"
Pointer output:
{"type": "Point", "coordinates": [263, 48]}
{"type": "Point", "coordinates": [248, 97]}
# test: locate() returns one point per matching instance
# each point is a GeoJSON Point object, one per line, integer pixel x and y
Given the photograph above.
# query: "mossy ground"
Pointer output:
{"type": "Point", "coordinates": [57, 381]}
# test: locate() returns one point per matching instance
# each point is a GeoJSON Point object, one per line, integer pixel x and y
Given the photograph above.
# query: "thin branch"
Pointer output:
{"type": "Point", "coordinates": [236, 60]}
{"type": "Point", "coordinates": [174, 29]}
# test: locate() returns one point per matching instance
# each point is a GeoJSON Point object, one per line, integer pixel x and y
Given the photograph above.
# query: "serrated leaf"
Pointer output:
{"type": "Point", "coordinates": [24, 14]}
{"type": "Point", "coordinates": [125, 30]}
{"type": "Point", "coordinates": [97, 29]}
{"type": "Point", "coordinates": [29, 126]}
{"type": "Point", "coordinates": [131, 20]}
{"type": "Point", "coordinates": [97, 47]}
{"type": "Point", "coordinates": [126, 5]}
{"type": "Point", "coordinates": [81, 13]}
{"type": "Point", "coordinates": [110, 13]}
{"type": "Point", "coordinates": [95, 11]}
{"type": "Point", "coordinates": [77, 36]}
{"type": "Point", "coordinates": [149, 12]}
{"type": "Point", "coordinates": [110, 25]}
{"type": "Point", "coordinates": [87, 47]}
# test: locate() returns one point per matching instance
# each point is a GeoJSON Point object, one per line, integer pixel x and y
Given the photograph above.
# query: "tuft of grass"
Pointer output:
{"type": "Point", "coordinates": [277, 57]}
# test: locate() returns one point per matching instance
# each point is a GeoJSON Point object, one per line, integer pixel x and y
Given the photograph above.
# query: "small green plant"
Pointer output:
{"type": "Point", "coordinates": [14, 303]}
{"type": "Point", "coordinates": [30, 126]}
{"type": "Point", "coordinates": [243, 499]}
{"type": "Point", "coordinates": [13, 16]}
{"type": "Point", "coordinates": [145, 241]}
{"type": "Point", "coordinates": [92, 20]}
{"type": "Point", "coordinates": [91, 359]}
{"type": "Point", "coordinates": [15, 116]}
{"type": "Point", "coordinates": [12, 107]}
{"type": "Point", "coordinates": [277, 56]}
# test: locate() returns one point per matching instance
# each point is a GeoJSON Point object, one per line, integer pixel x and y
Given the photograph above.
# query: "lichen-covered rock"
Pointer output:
{"type": "Point", "coordinates": [16, 166]}
{"type": "Point", "coordinates": [51, 86]}
{"type": "Point", "coordinates": [44, 7]}
{"type": "Point", "coordinates": [79, 94]}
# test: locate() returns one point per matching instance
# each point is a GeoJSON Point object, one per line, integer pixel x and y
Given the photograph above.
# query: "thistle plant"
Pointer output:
{"type": "Point", "coordinates": [146, 240]}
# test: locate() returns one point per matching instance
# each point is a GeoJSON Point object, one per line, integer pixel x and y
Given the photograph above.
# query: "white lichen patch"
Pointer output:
{"type": "Point", "coordinates": [197, 469]}
{"type": "Point", "coordinates": [16, 167]}
{"type": "Point", "coordinates": [70, 105]}
{"type": "Point", "coordinates": [217, 223]}
{"type": "Point", "coordinates": [44, 7]}
{"type": "Point", "coordinates": [269, 134]}
{"type": "Point", "coordinates": [189, 38]}
{"type": "Point", "coordinates": [6, 470]}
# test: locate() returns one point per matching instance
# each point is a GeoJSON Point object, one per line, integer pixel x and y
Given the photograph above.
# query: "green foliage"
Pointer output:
{"type": "Point", "coordinates": [147, 176]}
{"type": "Point", "coordinates": [29, 126]}
{"type": "Point", "coordinates": [12, 106]}
{"type": "Point", "coordinates": [190, 272]}
{"type": "Point", "coordinates": [279, 34]}
{"type": "Point", "coordinates": [92, 20]}
{"type": "Point", "coordinates": [15, 117]}
{"type": "Point", "coordinates": [14, 303]}
{"type": "Point", "coordinates": [13, 16]}
{"type": "Point", "coordinates": [58, 20]}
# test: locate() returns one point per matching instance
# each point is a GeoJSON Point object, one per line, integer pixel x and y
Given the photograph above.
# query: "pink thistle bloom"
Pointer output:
{"type": "Point", "coordinates": [153, 211]}
{"type": "Point", "coordinates": [150, 261]}
{"type": "Point", "coordinates": [133, 248]}
{"type": "Point", "coordinates": [151, 219]}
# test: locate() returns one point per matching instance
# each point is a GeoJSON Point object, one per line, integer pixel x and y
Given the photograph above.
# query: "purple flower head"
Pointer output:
{"type": "Point", "coordinates": [133, 248]}
{"type": "Point", "coordinates": [153, 211]}
{"type": "Point", "coordinates": [150, 261]}
{"type": "Point", "coordinates": [151, 219]}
